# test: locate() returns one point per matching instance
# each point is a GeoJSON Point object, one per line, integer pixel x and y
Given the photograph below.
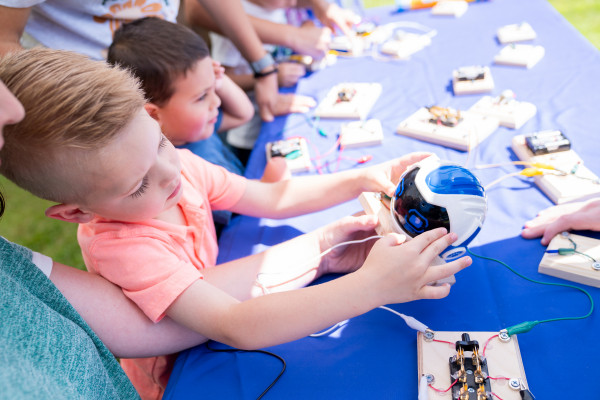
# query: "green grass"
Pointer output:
{"type": "Point", "coordinates": [24, 221]}
{"type": "Point", "coordinates": [583, 15]}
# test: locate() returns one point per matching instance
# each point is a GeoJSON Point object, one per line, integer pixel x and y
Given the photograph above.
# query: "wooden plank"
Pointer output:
{"type": "Point", "coordinates": [560, 189]}
{"type": "Point", "coordinates": [503, 358]}
{"type": "Point", "coordinates": [573, 267]}
{"type": "Point", "coordinates": [472, 130]}
{"type": "Point", "coordinates": [365, 96]}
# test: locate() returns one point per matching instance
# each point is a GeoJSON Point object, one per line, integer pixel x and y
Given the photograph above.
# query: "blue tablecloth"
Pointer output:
{"type": "Point", "coordinates": [374, 355]}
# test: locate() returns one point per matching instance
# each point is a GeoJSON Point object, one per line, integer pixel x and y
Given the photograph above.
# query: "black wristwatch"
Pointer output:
{"type": "Point", "coordinates": [264, 62]}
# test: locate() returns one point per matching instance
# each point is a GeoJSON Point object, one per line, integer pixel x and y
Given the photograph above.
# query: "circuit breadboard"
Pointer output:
{"type": "Point", "coordinates": [349, 101]}
{"type": "Point", "coordinates": [459, 130]}
{"type": "Point", "coordinates": [293, 150]}
{"type": "Point", "coordinates": [470, 365]}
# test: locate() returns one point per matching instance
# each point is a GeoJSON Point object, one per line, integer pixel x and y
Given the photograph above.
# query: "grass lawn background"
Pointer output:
{"type": "Point", "coordinates": [24, 221]}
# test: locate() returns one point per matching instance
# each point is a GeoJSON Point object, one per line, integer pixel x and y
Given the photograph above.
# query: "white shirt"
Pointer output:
{"type": "Point", "coordinates": [87, 26]}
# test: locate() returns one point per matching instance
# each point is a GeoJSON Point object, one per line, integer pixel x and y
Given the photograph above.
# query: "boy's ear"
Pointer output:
{"type": "Point", "coordinates": [69, 213]}
{"type": "Point", "coordinates": [153, 110]}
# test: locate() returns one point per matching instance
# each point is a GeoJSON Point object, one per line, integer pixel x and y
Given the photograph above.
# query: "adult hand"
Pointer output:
{"type": "Point", "coordinates": [289, 73]}
{"type": "Point", "coordinates": [334, 17]}
{"type": "Point", "coordinates": [350, 257]}
{"type": "Point", "coordinates": [293, 103]}
{"type": "Point", "coordinates": [266, 93]}
{"type": "Point", "coordinates": [564, 217]}
{"type": "Point", "coordinates": [311, 40]}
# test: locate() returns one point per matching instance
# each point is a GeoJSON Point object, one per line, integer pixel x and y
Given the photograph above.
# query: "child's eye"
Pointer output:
{"type": "Point", "coordinates": [201, 98]}
{"type": "Point", "coordinates": [163, 141]}
{"type": "Point", "coordinates": [141, 190]}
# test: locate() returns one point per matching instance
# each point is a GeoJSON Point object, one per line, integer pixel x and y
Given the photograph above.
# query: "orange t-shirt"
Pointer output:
{"type": "Point", "coordinates": [155, 261]}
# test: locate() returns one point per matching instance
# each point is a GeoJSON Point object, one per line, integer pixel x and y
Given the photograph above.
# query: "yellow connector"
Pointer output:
{"type": "Point", "coordinates": [531, 172]}
{"type": "Point", "coordinates": [542, 165]}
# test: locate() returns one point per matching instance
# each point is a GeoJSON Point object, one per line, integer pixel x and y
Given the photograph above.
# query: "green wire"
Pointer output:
{"type": "Point", "coordinates": [527, 326]}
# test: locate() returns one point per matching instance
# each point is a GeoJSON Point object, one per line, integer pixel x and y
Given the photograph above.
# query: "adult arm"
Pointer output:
{"type": "Point", "coordinates": [307, 39]}
{"type": "Point", "coordinates": [12, 25]}
{"type": "Point", "coordinates": [117, 321]}
{"type": "Point", "coordinates": [235, 24]}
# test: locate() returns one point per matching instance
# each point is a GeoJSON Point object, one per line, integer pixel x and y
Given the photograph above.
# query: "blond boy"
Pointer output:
{"type": "Point", "coordinates": [90, 146]}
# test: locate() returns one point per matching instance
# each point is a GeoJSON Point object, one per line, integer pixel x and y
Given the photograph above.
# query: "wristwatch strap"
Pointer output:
{"type": "Point", "coordinates": [264, 62]}
{"type": "Point", "coordinates": [258, 75]}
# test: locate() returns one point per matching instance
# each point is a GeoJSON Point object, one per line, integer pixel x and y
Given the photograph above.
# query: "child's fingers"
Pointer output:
{"type": "Point", "coordinates": [438, 272]}
{"type": "Point", "coordinates": [422, 241]}
{"type": "Point", "coordinates": [434, 292]}
{"type": "Point", "coordinates": [439, 245]}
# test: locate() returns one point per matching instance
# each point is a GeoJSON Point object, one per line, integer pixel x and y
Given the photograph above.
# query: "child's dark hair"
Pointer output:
{"type": "Point", "coordinates": [157, 52]}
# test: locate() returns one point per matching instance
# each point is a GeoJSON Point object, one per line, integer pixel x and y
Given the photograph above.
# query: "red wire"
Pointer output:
{"type": "Point", "coordinates": [444, 391]}
{"type": "Point", "coordinates": [495, 395]}
{"type": "Point", "coordinates": [486, 344]}
{"type": "Point", "coordinates": [443, 341]}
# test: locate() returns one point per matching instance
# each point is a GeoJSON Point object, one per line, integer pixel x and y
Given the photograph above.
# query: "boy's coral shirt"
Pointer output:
{"type": "Point", "coordinates": [155, 261]}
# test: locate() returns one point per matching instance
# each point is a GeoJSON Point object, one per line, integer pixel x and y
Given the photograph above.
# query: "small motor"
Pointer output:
{"type": "Point", "coordinates": [434, 193]}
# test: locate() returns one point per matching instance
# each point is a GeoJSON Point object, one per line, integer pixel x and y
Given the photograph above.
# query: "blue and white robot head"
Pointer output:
{"type": "Point", "coordinates": [434, 193]}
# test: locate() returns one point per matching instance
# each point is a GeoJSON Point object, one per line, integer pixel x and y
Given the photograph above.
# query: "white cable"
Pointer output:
{"type": "Point", "coordinates": [493, 183]}
{"type": "Point", "coordinates": [423, 392]}
{"type": "Point", "coordinates": [410, 321]}
{"type": "Point", "coordinates": [328, 331]}
{"type": "Point", "coordinates": [302, 268]}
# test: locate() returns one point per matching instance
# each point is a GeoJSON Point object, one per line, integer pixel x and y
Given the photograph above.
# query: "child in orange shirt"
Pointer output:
{"type": "Point", "coordinates": [89, 145]}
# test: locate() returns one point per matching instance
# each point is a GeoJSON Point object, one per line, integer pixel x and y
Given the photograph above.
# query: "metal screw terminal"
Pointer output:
{"type": "Point", "coordinates": [514, 383]}
{"type": "Point", "coordinates": [428, 335]}
{"type": "Point", "coordinates": [504, 336]}
{"type": "Point", "coordinates": [430, 378]}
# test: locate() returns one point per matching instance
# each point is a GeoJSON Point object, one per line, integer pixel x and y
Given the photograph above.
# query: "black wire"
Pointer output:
{"type": "Point", "coordinates": [233, 350]}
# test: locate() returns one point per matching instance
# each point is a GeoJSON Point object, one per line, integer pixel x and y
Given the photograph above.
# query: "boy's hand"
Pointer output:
{"type": "Point", "coordinates": [311, 40]}
{"type": "Point", "coordinates": [384, 177]}
{"type": "Point", "coordinates": [289, 73]}
{"type": "Point", "coordinates": [564, 217]}
{"type": "Point", "coordinates": [401, 272]}
{"type": "Point", "coordinates": [219, 74]}
{"type": "Point", "coordinates": [293, 103]}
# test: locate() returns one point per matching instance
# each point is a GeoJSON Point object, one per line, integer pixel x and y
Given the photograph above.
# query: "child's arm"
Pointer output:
{"type": "Point", "coordinates": [235, 104]}
{"type": "Point", "coordinates": [239, 277]}
{"type": "Point", "coordinates": [117, 321]}
{"type": "Point", "coordinates": [392, 273]}
{"type": "Point", "coordinates": [302, 195]}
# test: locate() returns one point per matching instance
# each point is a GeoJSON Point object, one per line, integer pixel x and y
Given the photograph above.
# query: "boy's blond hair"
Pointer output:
{"type": "Point", "coordinates": [73, 106]}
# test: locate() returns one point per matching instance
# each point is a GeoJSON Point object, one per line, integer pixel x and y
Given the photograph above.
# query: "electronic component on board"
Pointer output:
{"type": "Point", "coordinates": [444, 116]}
{"type": "Point", "coordinates": [472, 79]}
{"type": "Point", "coordinates": [470, 370]}
{"type": "Point", "coordinates": [295, 152]}
{"type": "Point", "coordinates": [546, 142]}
